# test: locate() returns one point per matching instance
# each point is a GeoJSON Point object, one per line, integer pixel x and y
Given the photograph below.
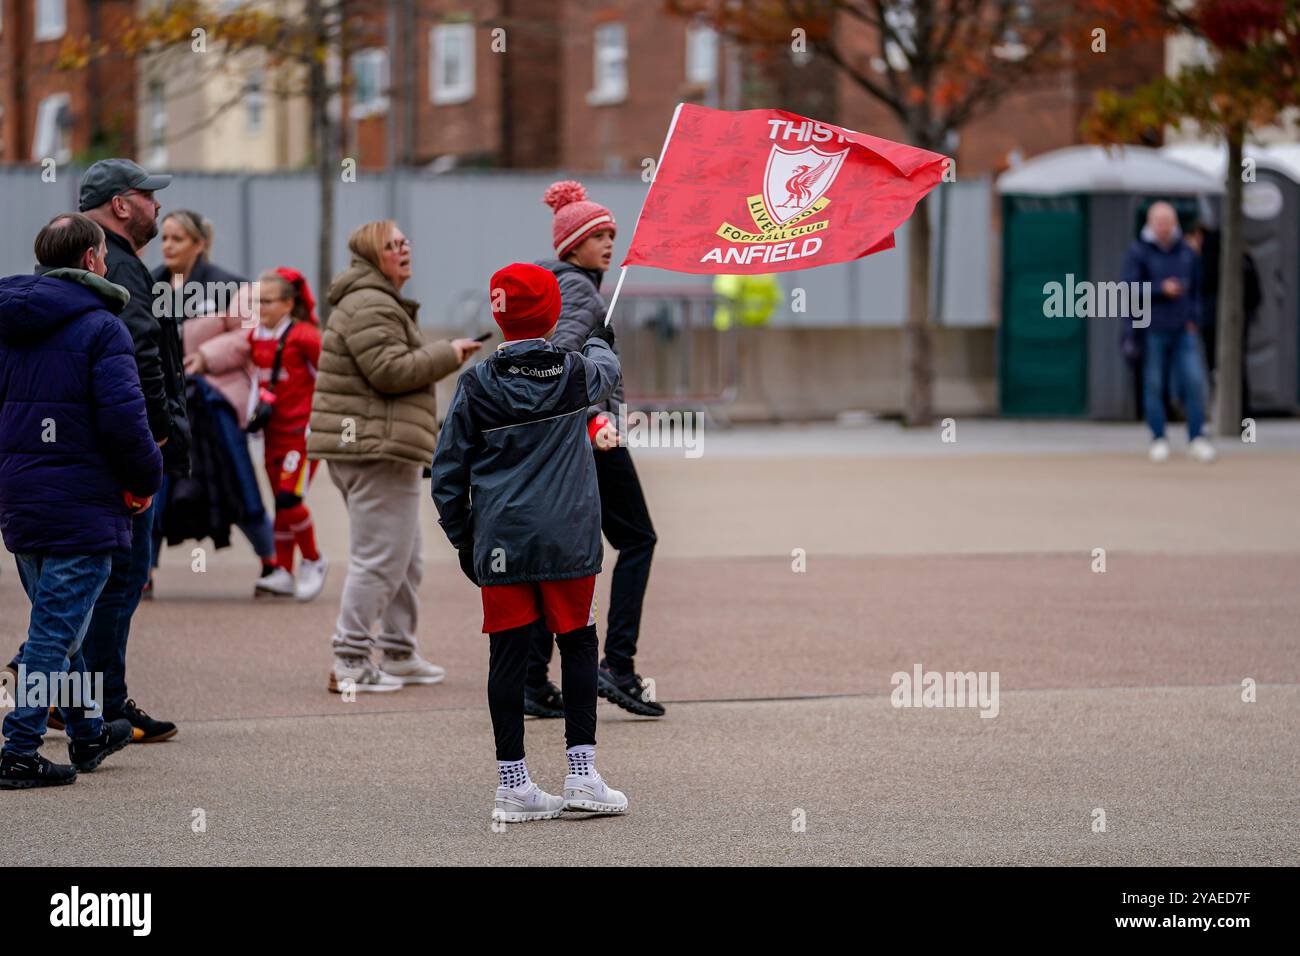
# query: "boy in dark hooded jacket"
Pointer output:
{"type": "Point", "coordinates": [77, 459]}
{"type": "Point", "coordinates": [515, 487]}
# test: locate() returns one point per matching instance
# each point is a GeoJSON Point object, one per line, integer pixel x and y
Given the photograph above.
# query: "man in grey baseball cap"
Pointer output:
{"type": "Point", "coordinates": [113, 177]}
{"type": "Point", "coordinates": [119, 195]}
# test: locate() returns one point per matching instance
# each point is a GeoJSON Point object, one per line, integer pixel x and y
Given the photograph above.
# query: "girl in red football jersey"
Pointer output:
{"type": "Point", "coordinates": [287, 325]}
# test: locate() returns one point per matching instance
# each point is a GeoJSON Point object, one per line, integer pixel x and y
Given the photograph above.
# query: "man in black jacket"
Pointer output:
{"type": "Point", "coordinates": [1205, 239]}
{"type": "Point", "coordinates": [118, 194]}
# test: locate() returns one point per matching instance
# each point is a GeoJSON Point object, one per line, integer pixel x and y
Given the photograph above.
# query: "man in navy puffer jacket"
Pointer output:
{"type": "Point", "coordinates": [77, 458]}
{"type": "Point", "coordinates": [1161, 259]}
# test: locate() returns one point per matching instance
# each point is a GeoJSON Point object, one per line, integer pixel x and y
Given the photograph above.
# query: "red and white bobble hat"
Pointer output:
{"type": "Point", "coordinates": [576, 216]}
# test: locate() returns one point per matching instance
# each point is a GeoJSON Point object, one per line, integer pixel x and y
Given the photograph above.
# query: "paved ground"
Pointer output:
{"type": "Point", "coordinates": [1118, 691]}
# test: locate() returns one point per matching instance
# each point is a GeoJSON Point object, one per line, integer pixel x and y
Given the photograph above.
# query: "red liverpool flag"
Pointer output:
{"type": "Point", "coordinates": [767, 191]}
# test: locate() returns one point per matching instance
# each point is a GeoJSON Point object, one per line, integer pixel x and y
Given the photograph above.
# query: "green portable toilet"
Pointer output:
{"type": "Point", "coordinates": [1069, 216]}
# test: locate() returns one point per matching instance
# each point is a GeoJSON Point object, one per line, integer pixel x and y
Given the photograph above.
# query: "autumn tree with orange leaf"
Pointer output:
{"type": "Point", "coordinates": [1253, 76]}
{"type": "Point", "coordinates": [299, 45]}
{"type": "Point", "coordinates": [935, 65]}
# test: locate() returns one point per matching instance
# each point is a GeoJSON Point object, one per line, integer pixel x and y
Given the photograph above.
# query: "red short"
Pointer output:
{"type": "Point", "coordinates": [566, 605]}
{"type": "Point", "coordinates": [289, 470]}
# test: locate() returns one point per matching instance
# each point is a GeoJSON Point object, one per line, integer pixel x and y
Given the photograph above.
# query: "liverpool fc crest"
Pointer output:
{"type": "Point", "coordinates": [795, 179]}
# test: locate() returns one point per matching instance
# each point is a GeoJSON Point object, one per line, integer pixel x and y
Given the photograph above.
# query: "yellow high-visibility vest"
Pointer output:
{"type": "Point", "coordinates": [749, 299]}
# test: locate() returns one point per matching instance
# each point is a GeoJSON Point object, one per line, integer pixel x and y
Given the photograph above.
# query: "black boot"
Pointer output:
{"type": "Point", "coordinates": [86, 755]}
{"type": "Point", "coordinates": [22, 771]}
{"type": "Point", "coordinates": [147, 730]}
{"type": "Point", "coordinates": [544, 701]}
{"type": "Point", "coordinates": [627, 690]}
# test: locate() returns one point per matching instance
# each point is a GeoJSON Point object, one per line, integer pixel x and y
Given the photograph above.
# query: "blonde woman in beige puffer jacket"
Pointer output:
{"type": "Point", "coordinates": [374, 420]}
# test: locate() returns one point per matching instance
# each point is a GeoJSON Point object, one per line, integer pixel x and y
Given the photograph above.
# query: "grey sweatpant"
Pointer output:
{"type": "Point", "coordinates": [385, 564]}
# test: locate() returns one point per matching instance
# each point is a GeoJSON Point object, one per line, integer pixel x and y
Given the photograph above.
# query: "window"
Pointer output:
{"type": "Point", "coordinates": [610, 65]}
{"type": "Point", "coordinates": [51, 19]}
{"type": "Point", "coordinates": [254, 103]}
{"type": "Point", "coordinates": [701, 55]}
{"type": "Point", "coordinates": [333, 82]}
{"type": "Point", "coordinates": [1011, 46]}
{"type": "Point", "coordinates": [452, 62]}
{"type": "Point", "coordinates": [901, 22]}
{"type": "Point", "coordinates": [157, 131]}
{"type": "Point", "coordinates": [369, 82]}
{"type": "Point", "coordinates": [53, 122]}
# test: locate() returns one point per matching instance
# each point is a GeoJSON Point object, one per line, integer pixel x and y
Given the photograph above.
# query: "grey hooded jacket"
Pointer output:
{"type": "Point", "coordinates": [513, 474]}
{"type": "Point", "coordinates": [582, 310]}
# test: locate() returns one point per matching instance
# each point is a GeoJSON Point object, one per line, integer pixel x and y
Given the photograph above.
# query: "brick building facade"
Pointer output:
{"type": "Point", "coordinates": [583, 85]}
{"type": "Point", "coordinates": [475, 83]}
{"type": "Point", "coordinates": [50, 112]}
{"type": "Point", "coordinates": [554, 83]}
{"type": "Point", "coordinates": [1043, 114]}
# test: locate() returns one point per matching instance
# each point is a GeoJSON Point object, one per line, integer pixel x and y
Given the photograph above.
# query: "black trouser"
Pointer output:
{"type": "Point", "coordinates": [625, 521]}
{"type": "Point", "coordinates": [506, 668]}
{"type": "Point", "coordinates": [1210, 336]}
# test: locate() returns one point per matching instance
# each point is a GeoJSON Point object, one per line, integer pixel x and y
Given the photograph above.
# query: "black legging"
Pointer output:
{"type": "Point", "coordinates": [625, 522]}
{"type": "Point", "coordinates": [507, 666]}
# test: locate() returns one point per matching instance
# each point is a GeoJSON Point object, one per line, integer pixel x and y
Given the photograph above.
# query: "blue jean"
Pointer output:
{"type": "Point", "coordinates": [256, 522]}
{"type": "Point", "coordinates": [110, 625]}
{"type": "Point", "coordinates": [63, 590]}
{"type": "Point", "coordinates": [1178, 351]}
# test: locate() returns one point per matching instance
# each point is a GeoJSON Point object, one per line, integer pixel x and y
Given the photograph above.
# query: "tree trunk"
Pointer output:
{"type": "Point", "coordinates": [918, 358]}
{"type": "Point", "coordinates": [1227, 398]}
{"type": "Point", "coordinates": [323, 147]}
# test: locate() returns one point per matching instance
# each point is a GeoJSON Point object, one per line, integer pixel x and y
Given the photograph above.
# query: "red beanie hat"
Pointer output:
{"type": "Point", "coordinates": [301, 290]}
{"type": "Point", "coordinates": [576, 216]}
{"type": "Point", "coordinates": [525, 300]}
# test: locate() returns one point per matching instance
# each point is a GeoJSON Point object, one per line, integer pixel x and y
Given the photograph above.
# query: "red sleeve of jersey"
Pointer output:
{"type": "Point", "coordinates": [307, 338]}
{"type": "Point", "coordinates": [313, 346]}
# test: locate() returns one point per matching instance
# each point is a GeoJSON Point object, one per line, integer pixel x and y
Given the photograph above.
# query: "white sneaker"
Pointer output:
{"type": "Point", "coordinates": [360, 675]}
{"type": "Point", "coordinates": [311, 578]}
{"type": "Point", "coordinates": [413, 669]}
{"type": "Point", "coordinates": [592, 795]}
{"type": "Point", "coordinates": [279, 583]}
{"type": "Point", "coordinates": [522, 806]}
{"type": "Point", "coordinates": [1202, 450]}
{"type": "Point", "coordinates": [1159, 450]}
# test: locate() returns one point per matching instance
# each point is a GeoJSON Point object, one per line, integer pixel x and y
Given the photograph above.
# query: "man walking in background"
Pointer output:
{"type": "Point", "coordinates": [1159, 256]}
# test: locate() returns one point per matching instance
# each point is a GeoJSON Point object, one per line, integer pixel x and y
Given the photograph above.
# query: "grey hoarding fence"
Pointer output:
{"type": "Point", "coordinates": [464, 226]}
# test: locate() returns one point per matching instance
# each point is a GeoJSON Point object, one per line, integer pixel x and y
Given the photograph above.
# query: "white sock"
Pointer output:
{"type": "Point", "coordinates": [582, 760]}
{"type": "Point", "coordinates": [513, 774]}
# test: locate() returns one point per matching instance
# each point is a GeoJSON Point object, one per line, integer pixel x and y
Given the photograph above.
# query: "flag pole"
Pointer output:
{"type": "Point", "coordinates": [609, 313]}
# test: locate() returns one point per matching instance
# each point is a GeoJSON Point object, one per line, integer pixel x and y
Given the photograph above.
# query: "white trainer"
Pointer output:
{"type": "Point", "coordinates": [412, 669]}
{"type": "Point", "coordinates": [1201, 449]}
{"type": "Point", "coordinates": [311, 578]}
{"type": "Point", "coordinates": [592, 795]}
{"type": "Point", "coordinates": [523, 806]}
{"type": "Point", "coordinates": [360, 675]}
{"type": "Point", "coordinates": [279, 583]}
{"type": "Point", "coordinates": [1159, 450]}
